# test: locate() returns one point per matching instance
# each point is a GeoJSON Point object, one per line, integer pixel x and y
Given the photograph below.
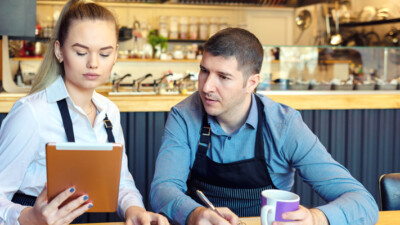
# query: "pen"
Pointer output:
{"type": "Point", "coordinates": [207, 202]}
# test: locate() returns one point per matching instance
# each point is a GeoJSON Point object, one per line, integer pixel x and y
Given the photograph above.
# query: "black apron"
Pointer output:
{"type": "Point", "coordinates": [235, 185]}
{"type": "Point", "coordinates": [28, 200]}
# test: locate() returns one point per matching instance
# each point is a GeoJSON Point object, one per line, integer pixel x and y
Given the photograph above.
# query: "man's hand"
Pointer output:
{"type": "Point", "coordinates": [205, 216]}
{"type": "Point", "coordinates": [139, 216]}
{"type": "Point", "coordinates": [44, 212]}
{"type": "Point", "coordinates": [304, 216]}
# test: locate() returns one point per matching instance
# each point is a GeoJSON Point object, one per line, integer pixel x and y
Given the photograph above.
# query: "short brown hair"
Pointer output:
{"type": "Point", "coordinates": [241, 44]}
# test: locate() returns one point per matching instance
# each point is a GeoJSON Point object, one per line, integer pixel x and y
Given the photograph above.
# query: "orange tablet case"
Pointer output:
{"type": "Point", "coordinates": [93, 172]}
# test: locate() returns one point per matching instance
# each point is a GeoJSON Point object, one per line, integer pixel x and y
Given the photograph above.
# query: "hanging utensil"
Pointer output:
{"type": "Point", "coordinates": [303, 21]}
{"type": "Point", "coordinates": [327, 23]}
{"type": "Point", "coordinates": [337, 38]}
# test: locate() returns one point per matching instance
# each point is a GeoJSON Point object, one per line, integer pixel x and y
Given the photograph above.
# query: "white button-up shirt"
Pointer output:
{"type": "Point", "coordinates": [35, 120]}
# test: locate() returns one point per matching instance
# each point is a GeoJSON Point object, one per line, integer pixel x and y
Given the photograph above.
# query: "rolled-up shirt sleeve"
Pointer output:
{"type": "Point", "coordinates": [349, 201]}
{"type": "Point", "coordinates": [167, 194]}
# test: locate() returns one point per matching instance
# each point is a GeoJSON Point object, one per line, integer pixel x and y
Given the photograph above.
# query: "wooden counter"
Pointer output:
{"type": "Point", "coordinates": [301, 100]}
{"type": "Point", "coordinates": [385, 218]}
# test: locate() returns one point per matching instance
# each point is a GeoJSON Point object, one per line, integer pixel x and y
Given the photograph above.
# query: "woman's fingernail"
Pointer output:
{"type": "Point", "coordinates": [85, 197]}
{"type": "Point", "coordinates": [90, 206]}
{"type": "Point", "coordinates": [72, 190]}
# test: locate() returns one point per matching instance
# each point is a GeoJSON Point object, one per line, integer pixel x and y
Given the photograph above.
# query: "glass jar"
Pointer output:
{"type": "Point", "coordinates": [163, 26]}
{"type": "Point", "coordinates": [173, 27]}
{"type": "Point", "coordinates": [193, 28]}
{"type": "Point", "coordinates": [223, 23]}
{"type": "Point", "coordinates": [183, 27]}
{"type": "Point", "coordinates": [213, 27]}
{"type": "Point", "coordinates": [178, 52]}
{"type": "Point", "coordinates": [203, 28]}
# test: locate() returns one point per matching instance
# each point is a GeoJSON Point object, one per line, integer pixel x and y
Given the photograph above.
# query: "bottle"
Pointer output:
{"type": "Point", "coordinates": [183, 27]}
{"type": "Point", "coordinates": [18, 78]}
{"type": "Point", "coordinates": [203, 28]}
{"type": "Point", "coordinates": [222, 23]}
{"type": "Point", "coordinates": [193, 28]}
{"type": "Point", "coordinates": [213, 27]}
{"type": "Point", "coordinates": [173, 27]}
{"type": "Point", "coordinates": [135, 49]}
{"type": "Point", "coordinates": [163, 26]}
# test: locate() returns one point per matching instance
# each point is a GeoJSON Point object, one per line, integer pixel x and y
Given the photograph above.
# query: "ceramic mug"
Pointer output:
{"type": "Point", "coordinates": [276, 202]}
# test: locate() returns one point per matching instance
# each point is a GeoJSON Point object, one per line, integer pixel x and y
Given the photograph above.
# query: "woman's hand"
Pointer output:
{"type": "Point", "coordinates": [44, 212]}
{"type": "Point", "coordinates": [139, 216]}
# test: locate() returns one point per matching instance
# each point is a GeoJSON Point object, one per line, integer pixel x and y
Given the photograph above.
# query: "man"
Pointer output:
{"type": "Point", "coordinates": [231, 144]}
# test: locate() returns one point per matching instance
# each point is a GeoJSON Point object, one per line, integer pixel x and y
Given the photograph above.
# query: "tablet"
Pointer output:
{"type": "Point", "coordinates": [94, 169]}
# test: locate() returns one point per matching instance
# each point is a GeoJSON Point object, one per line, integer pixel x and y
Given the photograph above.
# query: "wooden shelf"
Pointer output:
{"type": "Point", "coordinates": [120, 60]}
{"type": "Point", "coordinates": [159, 60]}
{"type": "Point", "coordinates": [177, 60]}
{"type": "Point", "coordinates": [39, 58]}
{"type": "Point", "coordinates": [301, 100]}
{"type": "Point", "coordinates": [328, 61]}
{"type": "Point", "coordinates": [185, 41]}
{"type": "Point", "coordinates": [287, 7]}
{"type": "Point", "coordinates": [370, 23]}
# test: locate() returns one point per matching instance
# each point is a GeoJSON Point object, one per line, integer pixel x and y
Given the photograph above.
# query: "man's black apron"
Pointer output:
{"type": "Point", "coordinates": [28, 200]}
{"type": "Point", "coordinates": [235, 185]}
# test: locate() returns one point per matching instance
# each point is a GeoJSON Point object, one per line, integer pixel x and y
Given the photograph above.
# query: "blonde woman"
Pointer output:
{"type": "Point", "coordinates": [63, 106]}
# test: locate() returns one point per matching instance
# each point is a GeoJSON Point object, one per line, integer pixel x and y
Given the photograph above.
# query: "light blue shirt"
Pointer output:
{"type": "Point", "coordinates": [292, 147]}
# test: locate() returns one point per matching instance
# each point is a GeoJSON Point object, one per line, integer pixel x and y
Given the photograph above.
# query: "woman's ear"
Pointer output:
{"type": "Point", "coordinates": [57, 51]}
{"type": "Point", "coordinates": [116, 53]}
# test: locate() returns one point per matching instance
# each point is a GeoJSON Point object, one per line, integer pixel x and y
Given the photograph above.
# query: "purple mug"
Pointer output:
{"type": "Point", "coordinates": [275, 202]}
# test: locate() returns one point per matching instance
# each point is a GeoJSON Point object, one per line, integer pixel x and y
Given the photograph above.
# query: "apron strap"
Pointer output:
{"type": "Point", "coordinates": [205, 135]}
{"type": "Point", "coordinates": [69, 129]}
{"type": "Point", "coordinates": [108, 125]}
{"type": "Point", "coordinates": [66, 118]}
{"type": "Point", "coordinates": [259, 146]}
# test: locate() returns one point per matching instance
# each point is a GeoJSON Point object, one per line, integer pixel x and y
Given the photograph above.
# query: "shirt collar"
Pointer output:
{"type": "Point", "coordinates": [252, 119]}
{"type": "Point", "coordinates": [57, 91]}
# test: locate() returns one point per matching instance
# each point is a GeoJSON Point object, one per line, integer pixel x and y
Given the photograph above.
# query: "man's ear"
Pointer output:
{"type": "Point", "coordinates": [252, 82]}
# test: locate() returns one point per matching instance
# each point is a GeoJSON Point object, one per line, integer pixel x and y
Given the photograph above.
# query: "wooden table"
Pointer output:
{"type": "Point", "coordinates": [385, 218]}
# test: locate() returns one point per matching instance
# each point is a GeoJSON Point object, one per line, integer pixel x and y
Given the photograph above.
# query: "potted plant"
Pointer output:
{"type": "Point", "coordinates": [158, 42]}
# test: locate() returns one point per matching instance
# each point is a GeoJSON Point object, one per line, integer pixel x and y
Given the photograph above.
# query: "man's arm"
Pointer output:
{"type": "Point", "coordinates": [349, 201]}
{"type": "Point", "coordinates": [167, 194]}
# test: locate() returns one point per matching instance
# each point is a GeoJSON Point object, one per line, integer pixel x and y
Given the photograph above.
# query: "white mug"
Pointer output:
{"type": "Point", "coordinates": [276, 202]}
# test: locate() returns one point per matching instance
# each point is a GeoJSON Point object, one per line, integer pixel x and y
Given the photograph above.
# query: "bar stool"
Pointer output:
{"type": "Point", "coordinates": [389, 191]}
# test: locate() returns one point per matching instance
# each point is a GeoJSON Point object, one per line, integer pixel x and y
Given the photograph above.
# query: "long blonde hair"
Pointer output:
{"type": "Point", "coordinates": [50, 68]}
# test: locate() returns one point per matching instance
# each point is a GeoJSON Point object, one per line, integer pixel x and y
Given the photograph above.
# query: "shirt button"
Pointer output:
{"type": "Point", "coordinates": [229, 138]}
